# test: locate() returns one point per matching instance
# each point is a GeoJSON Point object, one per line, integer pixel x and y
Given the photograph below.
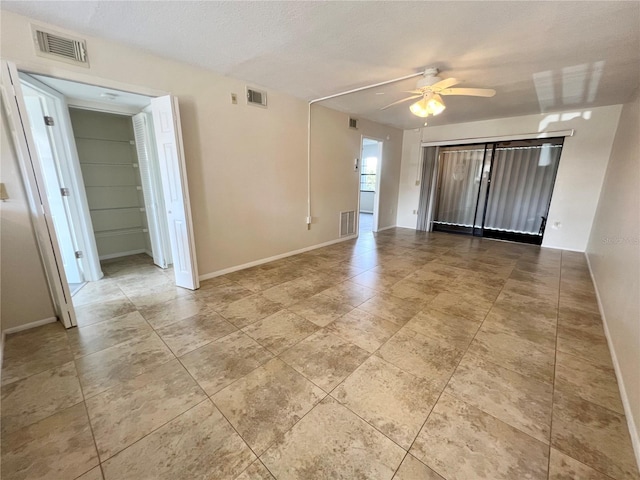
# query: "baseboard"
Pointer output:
{"type": "Point", "coordinates": [262, 261]}
{"type": "Point", "coordinates": [386, 228]}
{"type": "Point", "coordinates": [121, 254]}
{"type": "Point", "coordinates": [631, 424]}
{"type": "Point", "coordinates": [367, 211]}
{"type": "Point", "coordinates": [29, 325]}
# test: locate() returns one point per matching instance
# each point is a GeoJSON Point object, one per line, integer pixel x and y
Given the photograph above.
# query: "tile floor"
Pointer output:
{"type": "Point", "coordinates": [400, 355]}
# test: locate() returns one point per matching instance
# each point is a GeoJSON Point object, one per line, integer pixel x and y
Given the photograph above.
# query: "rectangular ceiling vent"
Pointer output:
{"type": "Point", "coordinates": [353, 123]}
{"type": "Point", "coordinates": [347, 223]}
{"type": "Point", "coordinates": [256, 97]}
{"type": "Point", "coordinates": [60, 47]}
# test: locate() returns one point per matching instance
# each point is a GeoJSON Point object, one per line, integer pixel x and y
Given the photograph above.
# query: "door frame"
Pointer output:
{"type": "Point", "coordinates": [45, 233]}
{"type": "Point", "coordinates": [376, 198]}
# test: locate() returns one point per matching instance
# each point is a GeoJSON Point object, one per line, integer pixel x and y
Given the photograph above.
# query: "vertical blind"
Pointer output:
{"type": "Point", "coordinates": [522, 180]}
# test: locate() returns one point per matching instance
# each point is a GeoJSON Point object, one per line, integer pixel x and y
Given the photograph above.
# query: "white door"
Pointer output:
{"type": "Point", "coordinates": [173, 172]}
{"type": "Point", "coordinates": [33, 177]}
{"type": "Point", "coordinates": [37, 111]}
{"type": "Point", "coordinates": [152, 190]}
{"type": "Point", "coordinates": [63, 148]}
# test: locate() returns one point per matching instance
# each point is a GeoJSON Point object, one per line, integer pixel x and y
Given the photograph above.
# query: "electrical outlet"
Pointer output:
{"type": "Point", "coordinates": [234, 98]}
{"type": "Point", "coordinates": [415, 212]}
{"type": "Point", "coordinates": [417, 182]}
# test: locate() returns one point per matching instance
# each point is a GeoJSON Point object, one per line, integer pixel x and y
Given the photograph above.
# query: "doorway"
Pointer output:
{"type": "Point", "coordinates": [369, 185]}
{"type": "Point", "coordinates": [496, 190]}
{"type": "Point", "coordinates": [70, 208]}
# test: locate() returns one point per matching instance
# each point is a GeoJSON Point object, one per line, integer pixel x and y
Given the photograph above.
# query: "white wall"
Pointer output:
{"type": "Point", "coordinates": [247, 166]}
{"type": "Point", "coordinates": [24, 294]}
{"type": "Point", "coordinates": [366, 201]}
{"type": "Point", "coordinates": [614, 258]}
{"type": "Point", "coordinates": [580, 174]}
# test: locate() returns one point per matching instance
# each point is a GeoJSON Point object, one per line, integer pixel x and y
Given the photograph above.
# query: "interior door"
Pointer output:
{"type": "Point", "coordinates": [53, 185]}
{"type": "Point", "coordinates": [32, 175]}
{"type": "Point", "coordinates": [173, 172]}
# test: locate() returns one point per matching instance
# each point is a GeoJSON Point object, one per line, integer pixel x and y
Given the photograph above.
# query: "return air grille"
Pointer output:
{"type": "Point", "coordinates": [256, 97]}
{"type": "Point", "coordinates": [347, 223]}
{"type": "Point", "coordinates": [56, 46]}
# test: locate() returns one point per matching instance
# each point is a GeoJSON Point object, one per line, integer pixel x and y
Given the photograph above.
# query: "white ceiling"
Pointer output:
{"type": "Point", "coordinates": [539, 56]}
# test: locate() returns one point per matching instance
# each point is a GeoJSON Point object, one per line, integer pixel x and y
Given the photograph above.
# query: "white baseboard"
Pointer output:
{"type": "Point", "coordinates": [29, 325]}
{"type": "Point", "coordinates": [367, 211]}
{"type": "Point", "coordinates": [262, 261]}
{"type": "Point", "coordinates": [631, 424]}
{"type": "Point", "coordinates": [122, 254]}
{"type": "Point", "coordinates": [386, 228]}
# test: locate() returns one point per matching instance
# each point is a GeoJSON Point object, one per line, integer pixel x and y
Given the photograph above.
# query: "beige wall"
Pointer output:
{"type": "Point", "coordinates": [247, 166]}
{"type": "Point", "coordinates": [580, 173]}
{"type": "Point", "coordinates": [24, 295]}
{"type": "Point", "coordinates": [614, 257]}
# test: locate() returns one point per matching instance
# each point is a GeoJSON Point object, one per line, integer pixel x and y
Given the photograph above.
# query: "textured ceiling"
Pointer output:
{"type": "Point", "coordinates": [539, 56]}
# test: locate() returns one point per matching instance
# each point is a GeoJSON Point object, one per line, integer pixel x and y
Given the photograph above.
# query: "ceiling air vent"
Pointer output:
{"type": "Point", "coordinates": [60, 47]}
{"type": "Point", "coordinates": [256, 97]}
{"type": "Point", "coordinates": [353, 123]}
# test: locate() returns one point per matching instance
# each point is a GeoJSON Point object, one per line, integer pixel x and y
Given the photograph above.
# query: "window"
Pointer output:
{"type": "Point", "coordinates": [368, 174]}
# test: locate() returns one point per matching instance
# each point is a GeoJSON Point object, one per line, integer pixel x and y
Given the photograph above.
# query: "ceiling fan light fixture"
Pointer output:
{"type": "Point", "coordinates": [430, 104]}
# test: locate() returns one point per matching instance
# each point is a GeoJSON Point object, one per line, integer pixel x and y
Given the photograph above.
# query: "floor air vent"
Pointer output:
{"type": "Point", "coordinates": [347, 223]}
{"type": "Point", "coordinates": [60, 47]}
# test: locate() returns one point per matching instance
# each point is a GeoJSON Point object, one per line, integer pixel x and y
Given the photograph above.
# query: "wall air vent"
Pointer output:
{"type": "Point", "coordinates": [256, 97]}
{"type": "Point", "coordinates": [353, 123]}
{"type": "Point", "coordinates": [347, 223]}
{"type": "Point", "coordinates": [60, 47]}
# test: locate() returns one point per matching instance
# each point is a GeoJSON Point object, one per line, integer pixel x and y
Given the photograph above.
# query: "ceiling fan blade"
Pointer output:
{"type": "Point", "coordinates": [400, 101]}
{"type": "Point", "coordinates": [446, 83]}
{"type": "Point", "coordinates": [474, 92]}
{"type": "Point", "coordinates": [414, 92]}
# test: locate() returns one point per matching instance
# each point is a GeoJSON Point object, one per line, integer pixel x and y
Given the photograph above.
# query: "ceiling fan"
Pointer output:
{"type": "Point", "coordinates": [430, 87]}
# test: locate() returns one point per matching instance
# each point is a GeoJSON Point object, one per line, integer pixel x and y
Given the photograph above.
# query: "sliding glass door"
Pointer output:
{"type": "Point", "coordinates": [498, 190]}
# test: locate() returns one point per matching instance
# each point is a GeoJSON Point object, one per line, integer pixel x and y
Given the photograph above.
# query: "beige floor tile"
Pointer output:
{"type": "Point", "coordinates": [594, 435]}
{"type": "Point", "coordinates": [93, 474]}
{"type": "Point", "coordinates": [411, 293]}
{"type": "Point", "coordinates": [124, 414]}
{"type": "Point", "coordinates": [290, 292]}
{"type": "Point", "coordinates": [532, 288]}
{"type": "Point", "coordinates": [588, 322]}
{"type": "Point", "coordinates": [224, 361]}
{"type": "Point", "coordinates": [344, 448]}
{"type": "Point", "coordinates": [267, 402]}
{"type": "Point", "coordinates": [591, 382]}
{"type": "Point", "coordinates": [393, 401]}
{"type": "Point", "coordinates": [99, 312]}
{"type": "Point", "coordinates": [325, 359]}
{"type": "Point", "coordinates": [200, 443]}
{"type": "Point", "coordinates": [393, 309]}
{"type": "Point", "coordinates": [520, 401]}
{"type": "Point", "coordinates": [105, 290]}
{"type": "Point", "coordinates": [36, 397]}
{"type": "Point", "coordinates": [563, 467]}
{"type": "Point", "coordinates": [376, 280]}
{"type": "Point", "coordinates": [523, 325]}
{"type": "Point", "coordinates": [538, 308]}
{"type": "Point", "coordinates": [256, 471]}
{"type": "Point", "coordinates": [583, 344]}
{"type": "Point", "coordinates": [514, 353]}
{"type": "Point", "coordinates": [158, 294]}
{"type": "Point", "coordinates": [249, 309]}
{"type": "Point", "coordinates": [162, 314]}
{"type": "Point", "coordinates": [467, 305]}
{"type": "Point", "coordinates": [349, 293]}
{"type": "Point", "coordinates": [57, 447]}
{"type": "Point", "coordinates": [93, 338]}
{"type": "Point", "coordinates": [33, 351]}
{"type": "Point", "coordinates": [413, 469]}
{"type": "Point", "coordinates": [459, 441]}
{"type": "Point", "coordinates": [363, 329]}
{"type": "Point", "coordinates": [280, 331]}
{"type": "Point", "coordinates": [107, 368]}
{"type": "Point", "coordinates": [425, 357]}
{"type": "Point", "coordinates": [186, 335]}
{"type": "Point", "coordinates": [456, 330]}
{"type": "Point", "coordinates": [320, 309]}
